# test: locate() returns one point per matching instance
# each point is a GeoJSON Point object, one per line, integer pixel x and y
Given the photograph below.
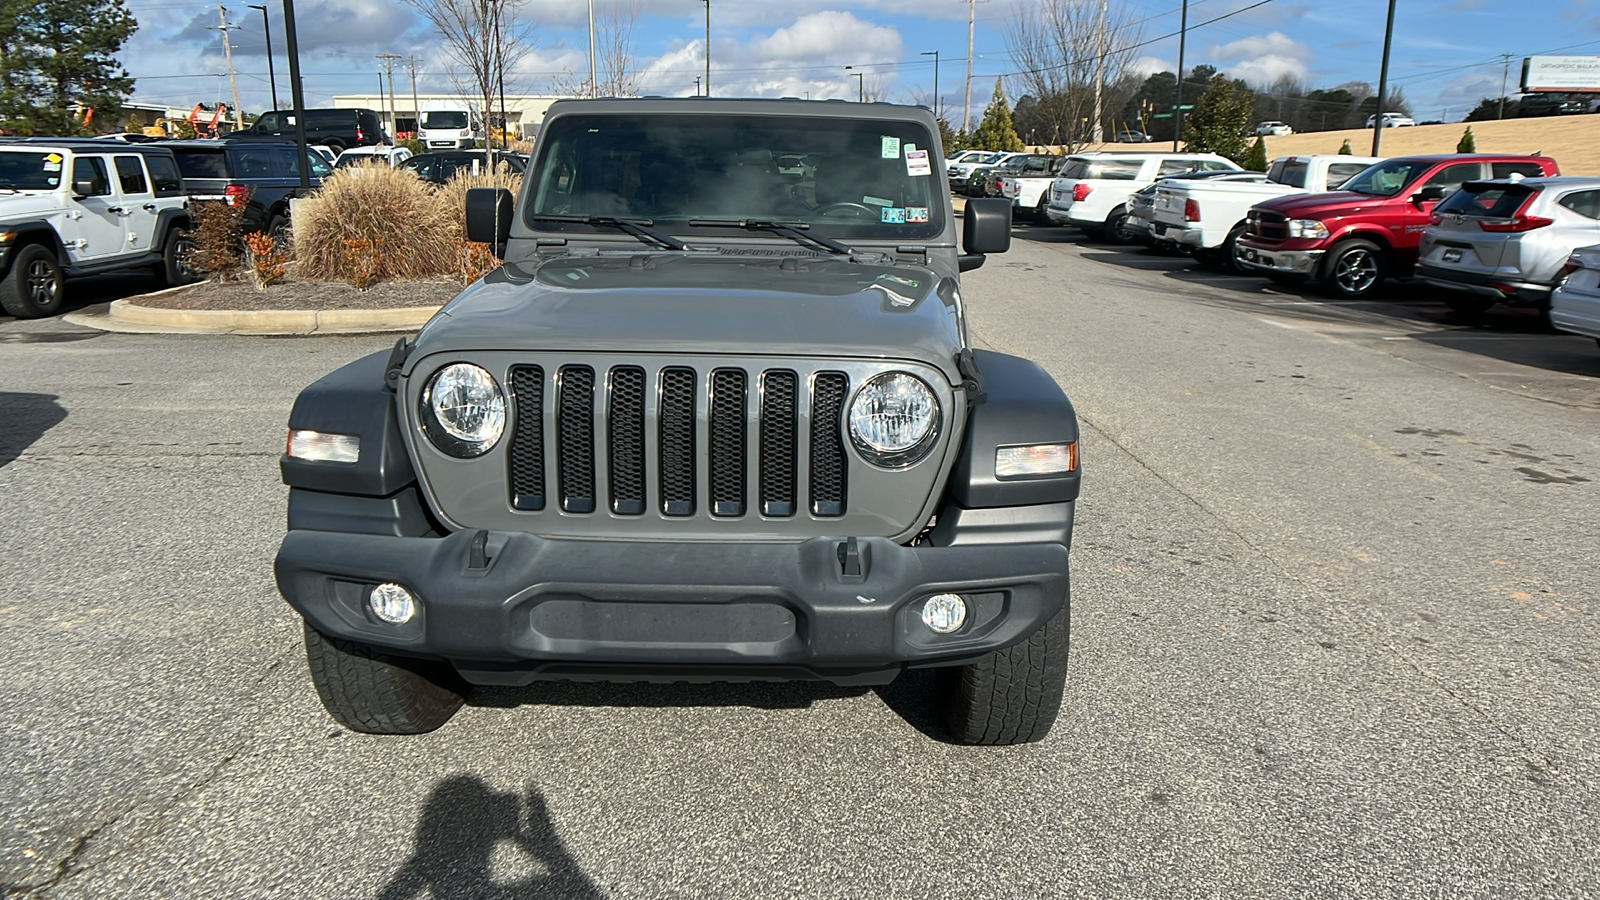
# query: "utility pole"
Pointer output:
{"type": "Point", "coordinates": [272, 76]}
{"type": "Point", "coordinates": [388, 63]}
{"type": "Point", "coordinates": [227, 51]}
{"type": "Point", "coordinates": [708, 48]}
{"type": "Point", "coordinates": [1097, 134]}
{"type": "Point", "coordinates": [1177, 105]}
{"type": "Point", "coordinates": [966, 111]}
{"type": "Point", "coordinates": [1505, 69]}
{"type": "Point", "coordinates": [1383, 82]}
{"type": "Point", "coordinates": [594, 73]}
{"type": "Point", "coordinates": [935, 55]}
{"type": "Point", "coordinates": [416, 108]}
{"type": "Point", "coordinates": [861, 88]}
{"type": "Point", "coordinates": [297, 95]}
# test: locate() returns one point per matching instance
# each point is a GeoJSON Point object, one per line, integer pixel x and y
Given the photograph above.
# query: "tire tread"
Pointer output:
{"type": "Point", "coordinates": [372, 692]}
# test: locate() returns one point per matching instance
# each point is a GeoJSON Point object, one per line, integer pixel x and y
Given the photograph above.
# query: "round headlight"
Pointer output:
{"type": "Point", "coordinates": [463, 410]}
{"type": "Point", "coordinates": [894, 419]}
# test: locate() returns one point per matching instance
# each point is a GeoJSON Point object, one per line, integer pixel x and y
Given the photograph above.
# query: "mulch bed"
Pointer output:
{"type": "Point", "coordinates": [306, 295]}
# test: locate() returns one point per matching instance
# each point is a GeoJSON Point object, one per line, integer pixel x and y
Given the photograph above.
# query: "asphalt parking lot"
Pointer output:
{"type": "Point", "coordinates": [1334, 635]}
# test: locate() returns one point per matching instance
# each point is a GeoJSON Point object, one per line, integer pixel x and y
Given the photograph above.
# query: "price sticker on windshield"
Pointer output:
{"type": "Point", "coordinates": [891, 147]}
{"type": "Point", "coordinates": [917, 163]}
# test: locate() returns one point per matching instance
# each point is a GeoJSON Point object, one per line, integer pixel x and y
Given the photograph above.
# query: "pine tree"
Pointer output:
{"type": "Point", "coordinates": [58, 58]}
{"type": "Point", "coordinates": [1220, 118]}
{"type": "Point", "coordinates": [1344, 148]}
{"type": "Point", "coordinates": [996, 132]}
{"type": "Point", "coordinates": [1469, 144]}
{"type": "Point", "coordinates": [1256, 159]}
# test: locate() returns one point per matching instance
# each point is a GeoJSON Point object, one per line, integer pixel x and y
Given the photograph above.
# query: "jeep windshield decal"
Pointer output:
{"type": "Point", "coordinates": [30, 171]}
{"type": "Point", "coordinates": [827, 178]}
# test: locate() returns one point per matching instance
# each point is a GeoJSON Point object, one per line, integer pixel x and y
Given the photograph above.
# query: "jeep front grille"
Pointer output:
{"type": "Point", "coordinates": [616, 419]}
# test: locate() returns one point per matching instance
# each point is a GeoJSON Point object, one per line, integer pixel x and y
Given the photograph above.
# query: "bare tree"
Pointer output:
{"type": "Point", "coordinates": [483, 38]}
{"type": "Point", "coordinates": [616, 56]}
{"type": "Point", "coordinates": [1066, 48]}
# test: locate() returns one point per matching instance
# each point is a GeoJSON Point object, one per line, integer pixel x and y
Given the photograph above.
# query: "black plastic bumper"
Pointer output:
{"type": "Point", "coordinates": [1522, 293]}
{"type": "Point", "coordinates": [535, 607]}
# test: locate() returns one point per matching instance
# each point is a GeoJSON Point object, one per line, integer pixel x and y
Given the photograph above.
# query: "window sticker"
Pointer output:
{"type": "Point", "coordinates": [894, 215]}
{"type": "Point", "coordinates": [52, 167]}
{"type": "Point", "coordinates": [891, 147]}
{"type": "Point", "coordinates": [917, 163]}
{"type": "Point", "coordinates": [877, 201]}
{"type": "Point", "coordinates": [916, 214]}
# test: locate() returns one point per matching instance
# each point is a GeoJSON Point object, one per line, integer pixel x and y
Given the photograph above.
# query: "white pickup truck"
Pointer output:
{"type": "Point", "coordinates": [1206, 217]}
{"type": "Point", "coordinates": [1029, 189]}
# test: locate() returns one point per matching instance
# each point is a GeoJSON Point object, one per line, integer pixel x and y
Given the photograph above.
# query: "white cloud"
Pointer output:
{"type": "Point", "coordinates": [1262, 59]}
{"type": "Point", "coordinates": [1145, 66]}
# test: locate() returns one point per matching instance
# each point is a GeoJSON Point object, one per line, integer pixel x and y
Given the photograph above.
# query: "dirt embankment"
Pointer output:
{"type": "Point", "coordinates": [1574, 141]}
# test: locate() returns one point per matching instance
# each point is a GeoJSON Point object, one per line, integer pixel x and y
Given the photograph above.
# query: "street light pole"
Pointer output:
{"type": "Point", "coordinates": [861, 85]}
{"type": "Point", "coordinates": [1383, 82]}
{"type": "Point", "coordinates": [1177, 105]}
{"type": "Point", "coordinates": [594, 74]}
{"type": "Point", "coordinates": [272, 76]}
{"type": "Point", "coordinates": [935, 55]}
{"type": "Point", "coordinates": [708, 47]}
{"type": "Point", "coordinates": [297, 94]}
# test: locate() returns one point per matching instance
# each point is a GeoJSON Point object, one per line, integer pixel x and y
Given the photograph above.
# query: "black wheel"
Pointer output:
{"type": "Point", "coordinates": [33, 287]}
{"type": "Point", "coordinates": [278, 230]}
{"type": "Point", "coordinates": [1011, 696]}
{"type": "Point", "coordinates": [369, 691]}
{"type": "Point", "coordinates": [1468, 305]}
{"type": "Point", "coordinates": [1116, 230]}
{"type": "Point", "coordinates": [336, 146]}
{"type": "Point", "coordinates": [1353, 269]}
{"type": "Point", "coordinates": [175, 267]}
{"type": "Point", "coordinates": [1229, 259]}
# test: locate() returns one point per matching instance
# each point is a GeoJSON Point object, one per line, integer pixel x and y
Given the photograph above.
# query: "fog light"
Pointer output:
{"type": "Point", "coordinates": [392, 603]}
{"type": "Point", "coordinates": [944, 613]}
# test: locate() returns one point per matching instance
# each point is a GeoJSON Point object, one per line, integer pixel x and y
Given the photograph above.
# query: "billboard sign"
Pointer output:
{"type": "Point", "coordinates": [1564, 74]}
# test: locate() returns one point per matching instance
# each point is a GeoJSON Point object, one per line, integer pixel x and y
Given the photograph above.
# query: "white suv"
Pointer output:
{"type": "Point", "coordinates": [71, 207]}
{"type": "Point", "coordinates": [1091, 190]}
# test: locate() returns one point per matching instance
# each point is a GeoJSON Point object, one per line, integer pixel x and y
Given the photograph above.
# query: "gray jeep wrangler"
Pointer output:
{"type": "Point", "coordinates": [717, 418]}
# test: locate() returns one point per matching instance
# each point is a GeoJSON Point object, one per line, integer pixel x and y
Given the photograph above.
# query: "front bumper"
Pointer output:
{"type": "Point", "coordinates": [1489, 287]}
{"type": "Point", "coordinates": [547, 607]}
{"type": "Point", "coordinates": [1288, 262]}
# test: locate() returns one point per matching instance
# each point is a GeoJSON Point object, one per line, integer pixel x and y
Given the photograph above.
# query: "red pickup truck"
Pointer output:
{"type": "Point", "coordinates": [1352, 239]}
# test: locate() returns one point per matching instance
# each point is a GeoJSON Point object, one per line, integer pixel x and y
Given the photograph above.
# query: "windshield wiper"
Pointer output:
{"type": "Point", "coordinates": [795, 231]}
{"type": "Point", "coordinates": [639, 228]}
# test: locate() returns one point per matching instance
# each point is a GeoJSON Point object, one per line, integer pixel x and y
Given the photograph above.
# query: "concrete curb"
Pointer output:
{"type": "Point", "coordinates": [129, 317]}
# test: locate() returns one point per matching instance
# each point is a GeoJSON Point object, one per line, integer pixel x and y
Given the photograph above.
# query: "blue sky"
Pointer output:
{"type": "Point", "coordinates": [1445, 57]}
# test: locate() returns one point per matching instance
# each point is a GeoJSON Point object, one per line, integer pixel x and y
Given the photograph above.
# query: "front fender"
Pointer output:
{"type": "Point", "coordinates": [1022, 405]}
{"type": "Point", "coordinates": [352, 400]}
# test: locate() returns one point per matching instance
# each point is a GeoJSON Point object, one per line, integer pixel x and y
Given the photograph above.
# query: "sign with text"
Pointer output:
{"type": "Point", "coordinates": [1569, 74]}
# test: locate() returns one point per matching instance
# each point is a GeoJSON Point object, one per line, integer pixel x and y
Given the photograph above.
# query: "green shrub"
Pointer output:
{"type": "Point", "coordinates": [1344, 149]}
{"type": "Point", "coordinates": [1256, 159]}
{"type": "Point", "coordinates": [371, 223]}
{"type": "Point", "coordinates": [414, 145]}
{"type": "Point", "coordinates": [1468, 144]}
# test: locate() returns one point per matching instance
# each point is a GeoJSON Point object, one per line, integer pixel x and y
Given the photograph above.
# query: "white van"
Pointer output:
{"type": "Point", "coordinates": [456, 126]}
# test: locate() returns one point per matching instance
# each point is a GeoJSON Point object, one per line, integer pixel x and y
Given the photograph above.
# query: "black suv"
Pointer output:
{"type": "Point", "coordinates": [441, 167]}
{"type": "Point", "coordinates": [258, 173]}
{"type": "Point", "coordinates": [335, 128]}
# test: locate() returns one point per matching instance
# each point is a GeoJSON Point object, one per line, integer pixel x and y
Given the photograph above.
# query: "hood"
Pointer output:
{"type": "Point", "coordinates": [1333, 204]}
{"type": "Point", "coordinates": [694, 304]}
{"type": "Point", "coordinates": [27, 205]}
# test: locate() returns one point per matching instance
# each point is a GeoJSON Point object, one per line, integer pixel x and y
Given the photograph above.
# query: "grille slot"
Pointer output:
{"type": "Point", "coordinates": [625, 428]}
{"type": "Point", "coordinates": [575, 439]}
{"type": "Point", "coordinates": [779, 440]}
{"type": "Point", "coordinates": [527, 442]}
{"type": "Point", "coordinates": [828, 488]}
{"type": "Point", "coordinates": [677, 441]}
{"type": "Point", "coordinates": [727, 439]}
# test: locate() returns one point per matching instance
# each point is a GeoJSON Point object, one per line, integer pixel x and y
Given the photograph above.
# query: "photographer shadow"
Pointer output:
{"type": "Point", "coordinates": [466, 828]}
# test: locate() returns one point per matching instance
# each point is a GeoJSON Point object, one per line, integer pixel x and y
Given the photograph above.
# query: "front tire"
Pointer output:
{"type": "Point", "coordinates": [369, 691]}
{"type": "Point", "coordinates": [34, 286]}
{"type": "Point", "coordinates": [1011, 696]}
{"type": "Point", "coordinates": [1354, 269]}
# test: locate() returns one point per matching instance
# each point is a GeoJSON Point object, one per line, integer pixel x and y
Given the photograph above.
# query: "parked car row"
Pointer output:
{"type": "Point", "coordinates": [1484, 228]}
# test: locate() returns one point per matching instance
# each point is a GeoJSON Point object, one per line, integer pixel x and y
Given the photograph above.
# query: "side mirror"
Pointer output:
{"type": "Point", "coordinates": [985, 228]}
{"type": "Point", "coordinates": [82, 187]}
{"type": "Point", "coordinates": [489, 212]}
{"type": "Point", "coordinates": [1430, 194]}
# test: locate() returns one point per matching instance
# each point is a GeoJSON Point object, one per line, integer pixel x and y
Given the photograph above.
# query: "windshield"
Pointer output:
{"type": "Point", "coordinates": [1386, 179]}
{"type": "Point", "coordinates": [30, 171]}
{"type": "Point", "coordinates": [444, 120]}
{"type": "Point", "coordinates": [854, 178]}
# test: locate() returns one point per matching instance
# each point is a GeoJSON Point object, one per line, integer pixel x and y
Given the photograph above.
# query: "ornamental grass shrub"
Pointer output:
{"type": "Point", "coordinates": [371, 223]}
{"type": "Point", "coordinates": [474, 260]}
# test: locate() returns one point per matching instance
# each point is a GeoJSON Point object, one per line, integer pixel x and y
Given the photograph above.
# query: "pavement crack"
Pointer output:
{"type": "Point", "coordinates": [1534, 757]}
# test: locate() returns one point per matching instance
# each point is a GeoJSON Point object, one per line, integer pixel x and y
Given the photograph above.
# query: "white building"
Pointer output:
{"type": "Point", "coordinates": [523, 112]}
